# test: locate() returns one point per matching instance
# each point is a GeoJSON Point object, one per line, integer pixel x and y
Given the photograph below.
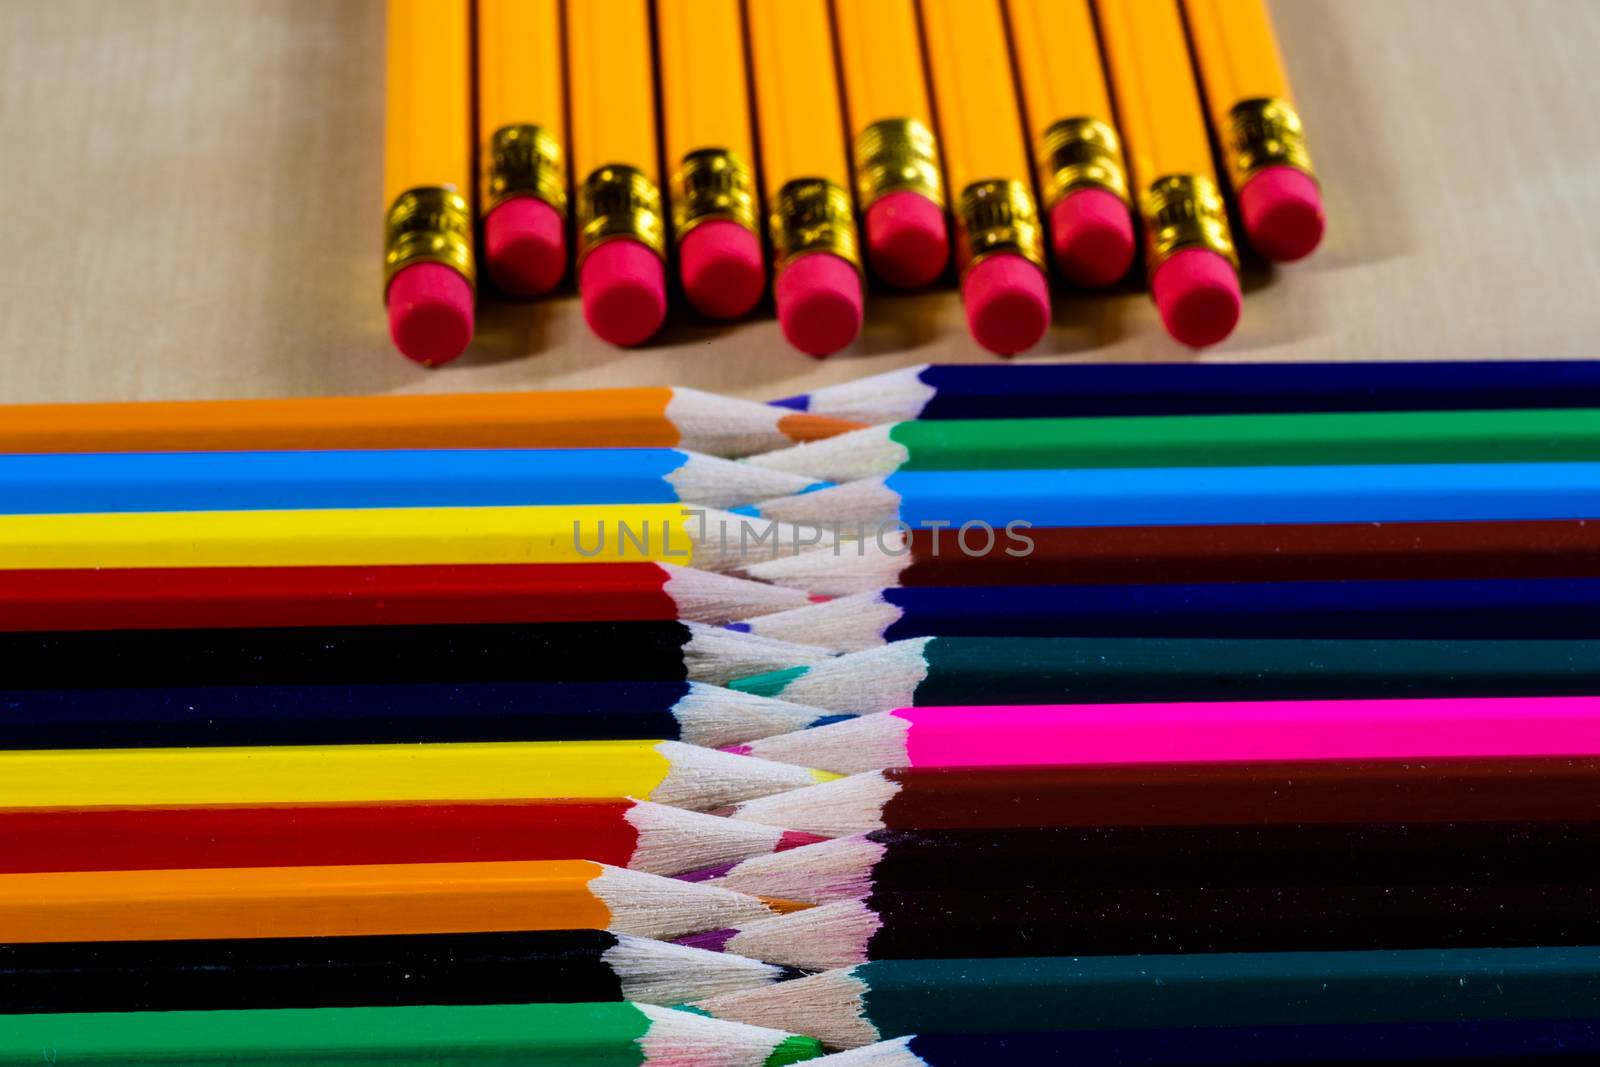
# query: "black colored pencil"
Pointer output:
{"type": "Point", "coordinates": [568, 966]}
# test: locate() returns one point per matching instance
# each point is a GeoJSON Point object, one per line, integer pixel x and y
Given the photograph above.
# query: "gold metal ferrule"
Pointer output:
{"type": "Point", "coordinates": [1184, 211]}
{"type": "Point", "coordinates": [1261, 133]}
{"type": "Point", "coordinates": [524, 160]}
{"type": "Point", "coordinates": [897, 155]}
{"type": "Point", "coordinates": [615, 202]}
{"type": "Point", "coordinates": [994, 217]}
{"type": "Point", "coordinates": [713, 183]}
{"type": "Point", "coordinates": [1080, 153]}
{"type": "Point", "coordinates": [813, 215]}
{"type": "Point", "coordinates": [429, 224]}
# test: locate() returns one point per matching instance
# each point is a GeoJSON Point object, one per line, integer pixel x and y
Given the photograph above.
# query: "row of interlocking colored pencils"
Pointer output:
{"type": "Point", "coordinates": [846, 134]}
{"type": "Point", "coordinates": [311, 754]}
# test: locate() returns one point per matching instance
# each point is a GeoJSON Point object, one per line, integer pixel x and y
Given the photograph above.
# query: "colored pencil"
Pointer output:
{"type": "Point", "coordinates": [158, 716]}
{"type": "Point", "coordinates": [1484, 1044]}
{"type": "Point", "coordinates": [805, 173]}
{"type": "Point", "coordinates": [710, 153]}
{"type": "Point", "coordinates": [568, 533]}
{"type": "Point", "coordinates": [1134, 555]}
{"type": "Point", "coordinates": [1200, 496]}
{"type": "Point", "coordinates": [668, 772]}
{"type": "Point", "coordinates": [388, 655]}
{"type": "Point", "coordinates": [1196, 732]}
{"type": "Point", "coordinates": [894, 998]}
{"type": "Point", "coordinates": [521, 137]}
{"type": "Point", "coordinates": [1254, 120]}
{"type": "Point", "coordinates": [1077, 155]}
{"type": "Point", "coordinates": [898, 183]}
{"type": "Point", "coordinates": [1064, 390]}
{"type": "Point", "coordinates": [999, 235]}
{"type": "Point", "coordinates": [502, 967]}
{"type": "Point", "coordinates": [1258, 793]}
{"type": "Point", "coordinates": [387, 478]}
{"type": "Point", "coordinates": [1307, 439]}
{"type": "Point", "coordinates": [492, 1035]}
{"type": "Point", "coordinates": [635, 834]}
{"type": "Point", "coordinates": [185, 598]}
{"type": "Point", "coordinates": [1490, 607]}
{"type": "Point", "coordinates": [1002, 922]}
{"type": "Point", "coordinates": [620, 224]}
{"type": "Point", "coordinates": [1189, 255]}
{"type": "Point", "coordinates": [656, 417]}
{"type": "Point", "coordinates": [429, 265]}
{"type": "Point", "coordinates": [1395, 853]}
{"type": "Point", "coordinates": [1043, 670]}
{"type": "Point", "coordinates": [410, 898]}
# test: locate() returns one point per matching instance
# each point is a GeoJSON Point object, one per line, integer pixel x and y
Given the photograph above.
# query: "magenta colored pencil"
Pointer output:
{"type": "Point", "coordinates": [1067, 734]}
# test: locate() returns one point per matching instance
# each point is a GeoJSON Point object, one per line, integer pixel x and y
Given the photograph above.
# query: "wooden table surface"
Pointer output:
{"type": "Point", "coordinates": [191, 193]}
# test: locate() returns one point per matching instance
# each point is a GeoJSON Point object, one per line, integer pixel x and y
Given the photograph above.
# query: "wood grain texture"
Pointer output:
{"type": "Point", "coordinates": [194, 195]}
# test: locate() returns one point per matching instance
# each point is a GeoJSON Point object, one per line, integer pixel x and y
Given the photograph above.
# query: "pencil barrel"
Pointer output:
{"type": "Point", "coordinates": [897, 155]}
{"type": "Point", "coordinates": [524, 160]}
{"type": "Point", "coordinates": [1183, 211]}
{"type": "Point", "coordinates": [994, 217]}
{"type": "Point", "coordinates": [620, 202]}
{"type": "Point", "coordinates": [1261, 133]}
{"type": "Point", "coordinates": [813, 215]}
{"type": "Point", "coordinates": [428, 224]}
{"type": "Point", "coordinates": [1080, 153]}
{"type": "Point", "coordinates": [713, 183]}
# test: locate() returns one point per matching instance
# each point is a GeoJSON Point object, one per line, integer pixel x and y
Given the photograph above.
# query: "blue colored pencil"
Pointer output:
{"type": "Point", "coordinates": [1056, 391]}
{"type": "Point", "coordinates": [1205, 496]}
{"type": "Point", "coordinates": [381, 713]}
{"type": "Point", "coordinates": [56, 483]}
{"type": "Point", "coordinates": [1493, 607]}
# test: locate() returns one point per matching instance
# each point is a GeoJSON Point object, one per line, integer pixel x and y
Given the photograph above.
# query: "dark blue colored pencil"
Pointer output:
{"type": "Point", "coordinates": [167, 716]}
{"type": "Point", "coordinates": [1041, 391]}
{"type": "Point", "coordinates": [1487, 608]}
{"type": "Point", "coordinates": [1492, 1043]}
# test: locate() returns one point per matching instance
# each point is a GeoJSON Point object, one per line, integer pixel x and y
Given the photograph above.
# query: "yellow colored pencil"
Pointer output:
{"type": "Point", "coordinates": [605, 533]}
{"type": "Point", "coordinates": [669, 772]}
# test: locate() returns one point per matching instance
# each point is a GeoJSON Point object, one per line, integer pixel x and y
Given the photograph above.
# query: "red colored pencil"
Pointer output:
{"type": "Point", "coordinates": [200, 597]}
{"type": "Point", "coordinates": [624, 833]}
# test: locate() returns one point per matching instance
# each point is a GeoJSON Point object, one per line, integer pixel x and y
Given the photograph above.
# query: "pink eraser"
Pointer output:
{"type": "Point", "coordinates": [820, 304]}
{"type": "Point", "coordinates": [719, 265]}
{"type": "Point", "coordinates": [1091, 234]}
{"type": "Point", "coordinates": [1008, 303]}
{"type": "Point", "coordinates": [525, 246]}
{"type": "Point", "coordinates": [430, 313]}
{"type": "Point", "coordinates": [908, 243]}
{"type": "Point", "coordinates": [624, 291]}
{"type": "Point", "coordinates": [1197, 293]}
{"type": "Point", "coordinates": [1282, 210]}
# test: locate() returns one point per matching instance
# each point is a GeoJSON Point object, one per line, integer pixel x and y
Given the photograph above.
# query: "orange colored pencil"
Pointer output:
{"type": "Point", "coordinates": [398, 898]}
{"type": "Point", "coordinates": [429, 271]}
{"type": "Point", "coordinates": [1189, 253]}
{"type": "Point", "coordinates": [573, 418]}
{"type": "Point", "coordinates": [621, 230]}
{"type": "Point", "coordinates": [1083, 183]}
{"type": "Point", "coordinates": [1253, 118]}
{"type": "Point", "coordinates": [815, 248]}
{"type": "Point", "coordinates": [999, 243]}
{"type": "Point", "coordinates": [521, 131]}
{"type": "Point", "coordinates": [705, 107]}
{"type": "Point", "coordinates": [899, 185]}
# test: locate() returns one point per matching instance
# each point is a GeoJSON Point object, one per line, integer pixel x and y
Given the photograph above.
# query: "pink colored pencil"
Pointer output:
{"type": "Point", "coordinates": [1067, 734]}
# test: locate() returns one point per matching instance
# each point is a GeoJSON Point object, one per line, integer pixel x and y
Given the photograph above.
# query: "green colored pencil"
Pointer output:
{"type": "Point", "coordinates": [892, 998]}
{"type": "Point", "coordinates": [936, 671]}
{"type": "Point", "coordinates": [1198, 441]}
{"type": "Point", "coordinates": [496, 1035]}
